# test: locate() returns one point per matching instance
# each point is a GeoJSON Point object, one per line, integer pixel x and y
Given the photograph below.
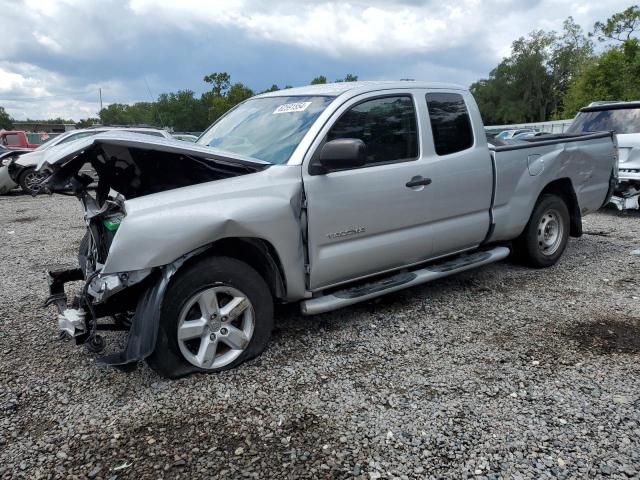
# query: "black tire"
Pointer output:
{"type": "Point", "coordinates": [167, 359]}
{"type": "Point", "coordinates": [24, 180]}
{"type": "Point", "coordinates": [532, 250]}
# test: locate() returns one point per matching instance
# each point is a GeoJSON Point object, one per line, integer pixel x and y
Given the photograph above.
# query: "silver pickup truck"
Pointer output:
{"type": "Point", "coordinates": [324, 195]}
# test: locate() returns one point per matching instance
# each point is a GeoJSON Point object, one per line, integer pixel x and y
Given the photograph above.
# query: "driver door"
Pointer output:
{"type": "Point", "coordinates": [367, 220]}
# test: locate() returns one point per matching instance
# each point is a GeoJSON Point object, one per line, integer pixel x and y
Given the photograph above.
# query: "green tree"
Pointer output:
{"type": "Point", "coordinates": [320, 79]}
{"type": "Point", "coordinates": [220, 82]}
{"type": "Point", "coordinates": [87, 122]}
{"type": "Point", "coordinates": [115, 114]}
{"type": "Point", "coordinates": [530, 85]}
{"type": "Point", "coordinates": [614, 74]}
{"type": "Point", "coordinates": [238, 93]}
{"type": "Point", "coordinates": [182, 111]}
{"type": "Point", "coordinates": [611, 76]}
{"type": "Point", "coordinates": [223, 95]}
{"type": "Point", "coordinates": [518, 88]}
{"type": "Point", "coordinates": [570, 55]}
{"type": "Point", "coordinates": [272, 88]}
{"type": "Point", "coordinates": [620, 27]}
{"type": "Point", "coordinates": [6, 123]}
{"type": "Point", "coordinates": [349, 77]}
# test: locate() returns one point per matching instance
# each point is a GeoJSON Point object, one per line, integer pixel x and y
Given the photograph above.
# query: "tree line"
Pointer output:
{"type": "Point", "coordinates": [551, 75]}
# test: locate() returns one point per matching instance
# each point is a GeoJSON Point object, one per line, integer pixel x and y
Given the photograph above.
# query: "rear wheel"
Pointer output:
{"type": "Point", "coordinates": [29, 181]}
{"type": "Point", "coordinates": [215, 315]}
{"type": "Point", "coordinates": [546, 235]}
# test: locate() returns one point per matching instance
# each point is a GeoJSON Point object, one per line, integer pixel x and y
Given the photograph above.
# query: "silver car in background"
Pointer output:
{"type": "Point", "coordinates": [21, 171]}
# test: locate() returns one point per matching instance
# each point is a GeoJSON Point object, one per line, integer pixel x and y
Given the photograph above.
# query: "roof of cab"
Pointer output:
{"type": "Point", "coordinates": [335, 89]}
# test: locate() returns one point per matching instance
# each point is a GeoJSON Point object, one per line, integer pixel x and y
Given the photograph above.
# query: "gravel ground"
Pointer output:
{"type": "Point", "coordinates": [498, 372]}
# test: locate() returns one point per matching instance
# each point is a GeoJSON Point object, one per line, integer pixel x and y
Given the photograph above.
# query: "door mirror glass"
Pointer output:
{"type": "Point", "coordinates": [343, 153]}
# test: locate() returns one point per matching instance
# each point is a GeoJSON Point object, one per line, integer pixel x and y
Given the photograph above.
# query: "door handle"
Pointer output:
{"type": "Point", "coordinates": [418, 182]}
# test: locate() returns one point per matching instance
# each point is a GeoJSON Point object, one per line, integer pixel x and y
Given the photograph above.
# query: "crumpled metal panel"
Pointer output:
{"type": "Point", "coordinates": [161, 227]}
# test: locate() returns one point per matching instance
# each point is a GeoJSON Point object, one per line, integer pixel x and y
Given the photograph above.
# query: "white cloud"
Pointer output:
{"type": "Point", "coordinates": [59, 52]}
{"type": "Point", "coordinates": [28, 91]}
{"type": "Point", "coordinates": [336, 28]}
{"type": "Point", "coordinates": [344, 29]}
{"type": "Point", "coordinates": [47, 42]}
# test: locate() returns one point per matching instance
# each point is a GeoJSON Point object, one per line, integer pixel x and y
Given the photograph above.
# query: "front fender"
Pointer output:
{"type": "Point", "coordinates": [160, 228]}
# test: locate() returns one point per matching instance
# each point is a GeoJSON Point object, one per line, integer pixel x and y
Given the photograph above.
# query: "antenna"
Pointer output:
{"type": "Point", "coordinates": [151, 97]}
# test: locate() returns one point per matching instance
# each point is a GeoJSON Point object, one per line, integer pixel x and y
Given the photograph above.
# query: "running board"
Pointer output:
{"type": "Point", "coordinates": [367, 291]}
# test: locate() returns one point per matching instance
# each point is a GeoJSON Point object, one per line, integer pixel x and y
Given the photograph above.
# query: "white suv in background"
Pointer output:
{"type": "Point", "coordinates": [623, 118]}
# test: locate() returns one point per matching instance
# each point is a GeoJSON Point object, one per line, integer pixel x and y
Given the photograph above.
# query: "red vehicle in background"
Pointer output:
{"type": "Point", "coordinates": [16, 140]}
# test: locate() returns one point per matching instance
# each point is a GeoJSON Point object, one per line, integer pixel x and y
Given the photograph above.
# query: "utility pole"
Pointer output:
{"type": "Point", "coordinates": [100, 90]}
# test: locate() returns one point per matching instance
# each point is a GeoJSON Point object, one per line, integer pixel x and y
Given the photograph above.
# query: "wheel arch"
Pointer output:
{"type": "Point", "coordinates": [563, 188]}
{"type": "Point", "coordinates": [258, 253]}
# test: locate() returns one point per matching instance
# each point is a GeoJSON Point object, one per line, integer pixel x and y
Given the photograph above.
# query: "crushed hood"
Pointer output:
{"type": "Point", "coordinates": [136, 164]}
{"type": "Point", "coordinates": [32, 158]}
{"type": "Point", "coordinates": [60, 154]}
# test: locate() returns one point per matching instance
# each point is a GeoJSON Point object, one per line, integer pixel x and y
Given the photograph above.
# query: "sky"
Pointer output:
{"type": "Point", "coordinates": [55, 55]}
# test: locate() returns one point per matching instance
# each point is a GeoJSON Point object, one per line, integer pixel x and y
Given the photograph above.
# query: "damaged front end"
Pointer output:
{"type": "Point", "coordinates": [126, 167]}
{"type": "Point", "coordinates": [113, 296]}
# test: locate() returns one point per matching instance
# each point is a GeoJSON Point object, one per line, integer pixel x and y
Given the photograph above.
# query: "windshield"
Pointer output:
{"type": "Point", "coordinates": [49, 142]}
{"type": "Point", "coordinates": [267, 128]}
{"type": "Point", "coordinates": [620, 121]}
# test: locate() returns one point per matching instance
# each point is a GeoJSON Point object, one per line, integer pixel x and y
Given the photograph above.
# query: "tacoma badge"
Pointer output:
{"type": "Point", "coordinates": [346, 233]}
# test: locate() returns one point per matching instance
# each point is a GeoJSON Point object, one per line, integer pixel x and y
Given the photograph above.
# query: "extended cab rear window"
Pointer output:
{"type": "Point", "coordinates": [450, 122]}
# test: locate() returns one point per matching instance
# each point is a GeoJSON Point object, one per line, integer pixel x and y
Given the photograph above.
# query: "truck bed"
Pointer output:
{"type": "Point", "coordinates": [524, 169]}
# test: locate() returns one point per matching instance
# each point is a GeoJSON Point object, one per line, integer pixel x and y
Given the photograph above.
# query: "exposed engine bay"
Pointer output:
{"type": "Point", "coordinates": [125, 299]}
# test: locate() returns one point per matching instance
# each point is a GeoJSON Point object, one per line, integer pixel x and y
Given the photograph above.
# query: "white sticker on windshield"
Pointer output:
{"type": "Point", "coordinates": [292, 107]}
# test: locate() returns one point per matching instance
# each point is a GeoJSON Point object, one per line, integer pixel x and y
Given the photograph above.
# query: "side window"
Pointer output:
{"type": "Point", "coordinates": [12, 140]}
{"type": "Point", "coordinates": [77, 136]}
{"type": "Point", "coordinates": [450, 122]}
{"type": "Point", "coordinates": [386, 125]}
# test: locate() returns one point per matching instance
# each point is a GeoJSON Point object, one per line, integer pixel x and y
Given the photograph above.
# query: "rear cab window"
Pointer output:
{"type": "Point", "coordinates": [450, 122]}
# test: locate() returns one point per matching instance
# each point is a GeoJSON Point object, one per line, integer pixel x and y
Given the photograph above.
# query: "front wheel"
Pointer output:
{"type": "Point", "coordinates": [29, 181]}
{"type": "Point", "coordinates": [546, 235]}
{"type": "Point", "coordinates": [215, 315]}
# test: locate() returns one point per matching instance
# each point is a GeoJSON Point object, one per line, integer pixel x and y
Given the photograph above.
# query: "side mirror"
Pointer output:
{"type": "Point", "coordinates": [343, 153]}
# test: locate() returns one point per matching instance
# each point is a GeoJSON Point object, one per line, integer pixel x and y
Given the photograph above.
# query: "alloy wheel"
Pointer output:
{"type": "Point", "coordinates": [215, 327]}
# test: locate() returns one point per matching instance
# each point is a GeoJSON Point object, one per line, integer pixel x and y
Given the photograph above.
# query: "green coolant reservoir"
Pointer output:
{"type": "Point", "coordinates": [112, 222]}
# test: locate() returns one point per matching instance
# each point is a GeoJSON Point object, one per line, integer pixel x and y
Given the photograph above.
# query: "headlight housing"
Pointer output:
{"type": "Point", "coordinates": [104, 286]}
